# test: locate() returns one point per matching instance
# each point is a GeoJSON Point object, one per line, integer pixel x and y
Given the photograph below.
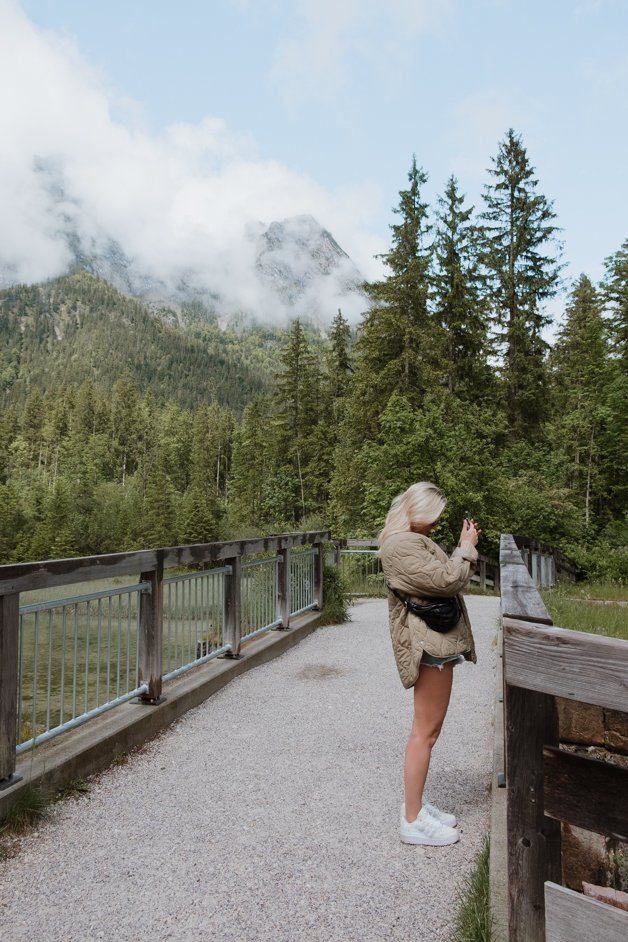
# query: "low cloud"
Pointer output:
{"type": "Point", "coordinates": [180, 202]}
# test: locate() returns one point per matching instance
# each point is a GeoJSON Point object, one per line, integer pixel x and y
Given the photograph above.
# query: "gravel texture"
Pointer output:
{"type": "Point", "coordinates": [271, 811]}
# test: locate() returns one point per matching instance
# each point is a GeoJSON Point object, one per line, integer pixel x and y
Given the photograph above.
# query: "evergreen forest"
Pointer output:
{"type": "Point", "coordinates": [123, 428]}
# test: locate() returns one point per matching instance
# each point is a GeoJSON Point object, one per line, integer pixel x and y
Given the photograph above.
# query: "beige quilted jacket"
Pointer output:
{"type": "Point", "coordinates": [415, 566]}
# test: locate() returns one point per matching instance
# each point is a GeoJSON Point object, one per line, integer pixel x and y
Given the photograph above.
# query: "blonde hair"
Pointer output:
{"type": "Point", "coordinates": [422, 503]}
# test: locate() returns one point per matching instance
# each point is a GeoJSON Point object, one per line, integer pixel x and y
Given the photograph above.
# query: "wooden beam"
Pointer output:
{"type": "Point", "coordinates": [533, 841]}
{"type": "Point", "coordinates": [572, 917]}
{"type": "Point", "coordinates": [520, 597]}
{"type": "Point", "coordinates": [9, 635]}
{"type": "Point", "coordinates": [586, 792]}
{"type": "Point", "coordinates": [572, 664]}
{"type": "Point", "coordinates": [150, 640]}
{"type": "Point", "coordinates": [24, 577]}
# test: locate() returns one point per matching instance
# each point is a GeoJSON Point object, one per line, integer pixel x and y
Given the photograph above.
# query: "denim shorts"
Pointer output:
{"type": "Point", "coordinates": [430, 661]}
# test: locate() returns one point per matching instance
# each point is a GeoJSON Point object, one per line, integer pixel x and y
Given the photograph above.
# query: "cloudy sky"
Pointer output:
{"type": "Point", "coordinates": [173, 126]}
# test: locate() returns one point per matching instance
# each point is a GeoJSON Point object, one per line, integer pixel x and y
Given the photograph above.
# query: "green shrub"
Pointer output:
{"type": "Point", "coordinates": [335, 596]}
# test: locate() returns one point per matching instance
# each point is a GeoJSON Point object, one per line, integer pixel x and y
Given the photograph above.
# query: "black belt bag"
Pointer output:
{"type": "Point", "coordinates": [438, 614]}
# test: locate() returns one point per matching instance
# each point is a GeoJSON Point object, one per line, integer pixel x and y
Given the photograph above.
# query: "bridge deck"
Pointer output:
{"type": "Point", "coordinates": [271, 811]}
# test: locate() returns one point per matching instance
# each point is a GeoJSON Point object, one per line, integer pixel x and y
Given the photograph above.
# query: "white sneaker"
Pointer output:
{"type": "Point", "coordinates": [444, 817]}
{"type": "Point", "coordinates": [426, 830]}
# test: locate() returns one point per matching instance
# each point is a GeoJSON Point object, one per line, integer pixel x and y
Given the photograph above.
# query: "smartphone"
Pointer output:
{"type": "Point", "coordinates": [467, 515]}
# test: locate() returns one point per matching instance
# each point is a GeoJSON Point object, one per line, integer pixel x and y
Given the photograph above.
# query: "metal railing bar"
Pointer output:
{"type": "Point", "coordinates": [75, 662]}
{"type": "Point", "coordinates": [79, 720]}
{"type": "Point", "coordinates": [109, 649]}
{"type": "Point", "coordinates": [200, 660]}
{"type": "Point", "coordinates": [20, 677]}
{"type": "Point", "coordinates": [64, 625]}
{"type": "Point", "coordinates": [77, 599]}
{"type": "Point", "coordinates": [198, 575]}
{"type": "Point", "coordinates": [99, 630]}
{"type": "Point", "coordinates": [87, 627]}
{"type": "Point", "coordinates": [128, 646]}
{"type": "Point", "coordinates": [359, 552]}
{"type": "Point", "coordinates": [49, 678]}
{"type": "Point", "coordinates": [35, 667]}
{"type": "Point", "coordinates": [306, 608]}
{"type": "Point", "coordinates": [258, 562]}
{"type": "Point", "coordinates": [260, 631]}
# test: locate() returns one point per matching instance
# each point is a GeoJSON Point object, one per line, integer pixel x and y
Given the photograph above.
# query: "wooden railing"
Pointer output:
{"type": "Point", "coordinates": [546, 564]}
{"type": "Point", "coordinates": [486, 574]}
{"type": "Point", "coordinates": [151, 565]}
{"type": "Point", "coordinates": [547, 785]}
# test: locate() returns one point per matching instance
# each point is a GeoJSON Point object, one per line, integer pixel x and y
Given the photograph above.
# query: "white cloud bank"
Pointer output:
{"type": "Point", "coordinates": [179, 202]}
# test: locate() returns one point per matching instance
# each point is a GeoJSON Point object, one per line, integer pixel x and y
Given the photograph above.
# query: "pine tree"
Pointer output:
{"type": "Point", "coordinates": [298, 410]}
{"type": "Point", "coordinates": [615, 290]}
{"type": "Point", "coordinates": [580, 375]}
{"type": "Point", "coordinates": [396, 347]}
{"type": "Point", "coordinates": [460, 302]}
{"type": "Point", "coordinates": [522, 260]}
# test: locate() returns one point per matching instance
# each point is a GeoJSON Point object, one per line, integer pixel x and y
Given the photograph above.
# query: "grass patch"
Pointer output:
{"type": "Point", "coordinates": [31, 808]}
{"type": "Point", "coordinates": [579, 613]}
{"type": "Point", "coordinates": [473, 917]}
{"type": "Point", "coordinates": [609, 591]}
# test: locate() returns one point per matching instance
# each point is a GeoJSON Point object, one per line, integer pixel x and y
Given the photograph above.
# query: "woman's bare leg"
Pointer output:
{"type": "Point", "coordinates": [431, 699]}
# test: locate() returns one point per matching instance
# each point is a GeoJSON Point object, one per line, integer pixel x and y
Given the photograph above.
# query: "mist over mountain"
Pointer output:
{"type": "Point", "coordinates": [298, 270]}
{"type": "Point", "coordinates": [191, 213]}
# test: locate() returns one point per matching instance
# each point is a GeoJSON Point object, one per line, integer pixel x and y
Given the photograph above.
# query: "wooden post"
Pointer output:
{"type": "Point", "coordinates": [283, 589]}
{"type": "Point", "coordinates": [533, 840]}
{"type": "Point", "coordinates": [9, 635]}
{"type": "Point", "coordinates": [482, 568]}
{"type": "Point", "coordinates": [233, 628]}
{"type": "Point", "coordinates": [150, 639]}
{"type": "Point", "coordinates": [319, 565]}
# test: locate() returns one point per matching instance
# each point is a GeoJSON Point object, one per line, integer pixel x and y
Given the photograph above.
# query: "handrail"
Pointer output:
{"type": "Point", "coordinates": [148, 567]}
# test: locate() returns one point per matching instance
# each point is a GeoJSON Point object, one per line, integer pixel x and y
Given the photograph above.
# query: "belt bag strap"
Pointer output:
{"type": "Point", "coordinates": [439, 614]}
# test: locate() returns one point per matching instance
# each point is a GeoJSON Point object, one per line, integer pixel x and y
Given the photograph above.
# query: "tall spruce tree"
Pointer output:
{"type": "Point", "coordinates": [460, 302]}
{"type": "Point", "coordinates": [397, 349]}
{"type": "Point", "coordinates": [615, 290]}
{"type": "Point", "coordinates": [396, 346]}
{"type": "Point", "coordinates": [579, 363]}
{"type": "Point", "coordinates": [522, 257]}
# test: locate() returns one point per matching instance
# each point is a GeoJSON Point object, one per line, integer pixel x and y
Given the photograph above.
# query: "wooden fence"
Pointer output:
{"type": "Point", "coordinates": [151, 564]}
{"type": "Point", "coordinates": [546, 784]}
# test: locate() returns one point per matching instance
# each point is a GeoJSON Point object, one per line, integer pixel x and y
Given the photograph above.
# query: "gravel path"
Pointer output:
{"type": "Point", "coordinates": [271, 811]}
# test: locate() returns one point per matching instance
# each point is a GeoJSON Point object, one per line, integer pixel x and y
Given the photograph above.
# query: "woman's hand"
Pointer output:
{"type": "Point", "coordinates": [470, 532]}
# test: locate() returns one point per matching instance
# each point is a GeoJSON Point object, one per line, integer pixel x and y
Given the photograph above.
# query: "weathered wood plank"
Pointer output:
{"type": "Point", "coordinates": [572, 917]}
{"type": "Point", "coordinates": [520, 597]}
{"type": "Point", "coordinates": [586, 792]}
{"type": "Point", "coordinates": [9, 635]}
{"type": "Point", "coordinates": [23, 577]}
{"type": "Point", "coordinates": [533, 840]}
{"type": "Point", "coordinates": [283, 588]}
{"type": "Point", "coordinates": [200, 553]}
{"type": "Point", "coordinates": [233, 629]}
{"type": "Point", "coordinates": [150, 667]}
{"type": "Point", "coordinates": [572, 664]}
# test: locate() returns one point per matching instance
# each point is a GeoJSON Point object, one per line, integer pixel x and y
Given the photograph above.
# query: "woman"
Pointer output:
{"type": "Point", "coordinates": [416, 568]}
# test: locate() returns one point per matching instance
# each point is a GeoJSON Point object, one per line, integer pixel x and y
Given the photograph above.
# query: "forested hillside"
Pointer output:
{"type": "Point", "coordinates": [449, 378]}
{"type": "Point", "coordinates": [80, 328]}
